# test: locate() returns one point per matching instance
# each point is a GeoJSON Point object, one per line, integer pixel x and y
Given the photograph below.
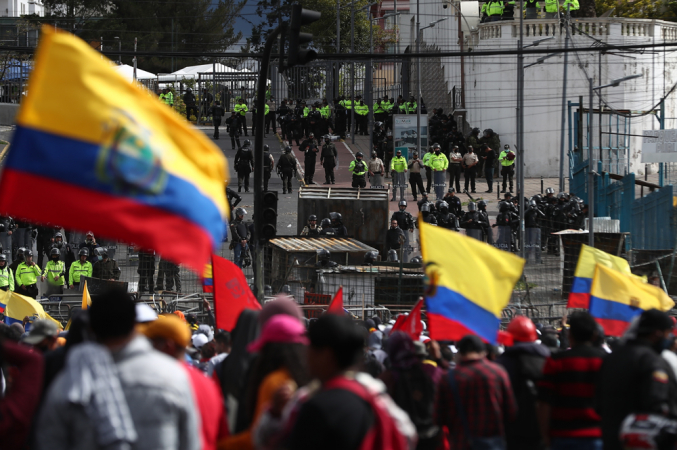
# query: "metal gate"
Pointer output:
{"type": "Point", "coordinates": [653, 221]}
{"type": "Point", "coordinates": [615, 198]}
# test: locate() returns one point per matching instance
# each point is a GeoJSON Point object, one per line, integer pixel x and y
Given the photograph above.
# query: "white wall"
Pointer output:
{"type": "Point", "coordinates": [491, 81]}
{"type": "Point", "coordinates": [16, 8]}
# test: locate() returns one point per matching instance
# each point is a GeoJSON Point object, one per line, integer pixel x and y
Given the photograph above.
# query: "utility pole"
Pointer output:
{"type": "Point", "coordinates": [338, 47]}
{"type": "Point", "coordinates": [352, 73]}
{"type": "Point", "coordinates": [564, 101]}
{"type": "Point", "coordinates": [135, 42]}
{"type": "Point", "coordinates": [520, 127]}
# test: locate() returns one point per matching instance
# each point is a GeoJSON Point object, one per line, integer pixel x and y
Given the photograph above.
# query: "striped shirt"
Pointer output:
{"type": "Point", "coordinates": [568, 386]}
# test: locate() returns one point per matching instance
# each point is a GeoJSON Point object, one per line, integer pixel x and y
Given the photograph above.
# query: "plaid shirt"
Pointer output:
{"type": "Point", "coordinates": [486, 397]}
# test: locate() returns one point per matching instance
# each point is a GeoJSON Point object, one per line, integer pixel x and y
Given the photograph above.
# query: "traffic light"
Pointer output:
{"type": "Point", "coordinates": [300, 17]}
{"type": "Point", "coordinates": [269, 225]}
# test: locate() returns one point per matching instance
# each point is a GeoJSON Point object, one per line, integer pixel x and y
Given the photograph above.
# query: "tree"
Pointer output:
{"type": "Point", "coordinates": [159, 25]}
{"type": "Point", "coordinates": [639, 9]}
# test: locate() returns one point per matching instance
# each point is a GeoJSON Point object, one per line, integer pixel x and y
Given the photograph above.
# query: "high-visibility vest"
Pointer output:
{"type": "Point", "coordinates": [439, 162]}
{"type": "Point", "coordinates": [398, 164]}
{"type": "Point", "coordinates": [503, 158]}
{"type": "Point", "coordinates": [551, 6]}
{"type": "Point", "coordinates": [79, 270]}
{"type": "Point", "coordinates": [306, 110]}
{"type": "Point", "coordinates": [574, 5]}
{"type": "Point", "coordinates": [360, 170]}
{"type": "Point", "coordinates": [495, 8]}
{"type": "Point", "coordinates": [347, 104]}
{"type": "Point", "coordinates": [7, 277]}
{"type": "Point", "coordinates": [168, 98]}
{"type": "Point", "coordinates": [379, 108]}
{"type": "Point", "coordinates": [55, 269]}
{"type": "Point", "coordinates": [362, 110]}
{"type": "Point", "coordinates": [325, 111]}
{"type": "Point", "coordinates": [426, 159]}
{"type": "Point", "coordinates": [267, 110]}
{"type": "Point", "coordinates": [27, 275]}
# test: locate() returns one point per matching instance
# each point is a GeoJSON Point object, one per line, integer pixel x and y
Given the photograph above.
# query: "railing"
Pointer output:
{"type": "Point", "coordinates": [596, 27]}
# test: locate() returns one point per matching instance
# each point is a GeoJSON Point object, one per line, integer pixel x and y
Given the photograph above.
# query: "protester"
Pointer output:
{"type": "Point", "coordinates": [412, 388]}
{"type": "Point", "coordinates": [22, 369]}
{"type": "Point", "coordinates": [566, 391]}
{"type": "Point", "coordinates": [524, 363]}
{"type": "Point", "coordinates": [222, 347]}
{"type": "Point", "coordinates": [281, 362]}
{"type": "Point", "coordinates": [476, 400]}
{"type": "Point", "coordinates": [43, 335]}
{"type": "Point", "coordinates": [171, 336]}
{"type": "Point", "coordinates": [635, 379]}
{"type": "Point", "coordinates": [118, 392]}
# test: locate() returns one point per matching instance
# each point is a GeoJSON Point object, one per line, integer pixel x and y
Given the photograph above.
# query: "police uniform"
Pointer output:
{"type": "Point", "coordinates": [106, 269]}
{"type": "Point", "coordinates": [26, 279]}
{"type": "Point", "coordinates": [241, 110]}
{"type": "Point", "coordinates": [244, 164]}
{"type": "Point", "coordinates": [415, 180]}
{"type": "Point", "coordinates": [310, 151]}
{"type": "Point", "coordinates": [454, 169]}
{"type": "Point", "coordinates": [6, 278]}
{"type": "Point", "coordinates": [146, 270]}
{"type": "Point", "coordinates": [428, 171]}
{"type": "Point", "coordinates": [286, 167]}
{"type": "Point", "coordinates": [362, 112]}
{"type": "Point", "coordinates": [439, 164]}
{"type": "Point", "coordinates": [328, 159]}
{"type": "Point", "coordinates": [79, 270]}
{"type": "Point", "coordinates": [405, 222]}
{"type": "Point", "coordinates": [217, 113]}
{"type": "Point", "coordinates": [268, 164]}
{"type": "Point", "coordinates": [170, 274]}
{"type": "Point", "coordinates": [55, 269]}
{"type": "Point", "coordinates": [359, 169]}
{"type": "Point", "coordinates": [233, 131]}
{"type": "Point", "coordinates": [398, 166]}
{"type": "Point", "coordinates": [507, 167]}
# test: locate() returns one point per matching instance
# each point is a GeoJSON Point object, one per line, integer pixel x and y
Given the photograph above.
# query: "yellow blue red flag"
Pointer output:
{"type": "Point", "coordinates": [469, 284]}
{"type": "Point", "coordinates": [208, 279]}
{"type": "Point", "coordinates": [19, 306]}
{"type": "Point", "coordinates": [588, 258]}
{"type": "Point", "coordinates": [616, 298]}
{"type": "Point", "coordinates": [119, 161]}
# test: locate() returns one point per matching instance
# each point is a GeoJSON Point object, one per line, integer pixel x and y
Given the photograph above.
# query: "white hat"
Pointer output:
{"type": "Point", "coordinates": [145, 313]}
{"type": "Point", "coordinates": [199, 340]}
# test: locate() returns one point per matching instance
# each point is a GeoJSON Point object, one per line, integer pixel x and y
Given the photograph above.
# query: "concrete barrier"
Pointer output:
{"type": "Point", "coordinates": [8, 113]}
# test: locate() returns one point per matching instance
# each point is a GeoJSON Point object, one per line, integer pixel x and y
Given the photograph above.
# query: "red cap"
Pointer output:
{"type": "Point", "coordinates": [522, 329]}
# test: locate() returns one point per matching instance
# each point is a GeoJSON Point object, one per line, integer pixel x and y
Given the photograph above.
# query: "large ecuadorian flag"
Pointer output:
{"type": "Point", "coordinates": [616, 298]}
{"type": "Point", "coordinates": [106, 155]}
{"type": "Point", "coordinates": [469, 284]}
{"type": "Point", "coordinates": [588, 258]}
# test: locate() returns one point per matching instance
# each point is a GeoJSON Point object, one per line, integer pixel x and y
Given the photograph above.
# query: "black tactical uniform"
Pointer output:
{"type": "Point", "coordinates": [310, 150]}
{"type": "Point", "coordinates": [217, 112]}
{"type": "Point", "coordinates": [244, 165]}
{"type": "Point", "coordinates": [170, 274]}
{"type": "Point", "coordinates": [286, 167]}
{"type": "Point", "coordinates": [328, 159]}
{"type": "Point", "coordinates": [146, 270]}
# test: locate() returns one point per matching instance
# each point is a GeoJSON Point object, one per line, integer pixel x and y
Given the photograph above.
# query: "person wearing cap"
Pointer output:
{"type": "Point", "coordinates": [43, 335]}
{"type": "Point", "coordinates": [90, 244]}
{"type": "Point", "coordinates": [470, 160]}
{"type": "Point", "coordinates": [376, 170]}
{"type": "Point", "coordinates": [170, 336]}
{"type": "Point", "coordinates": [79, 269]}
{"type": "Point", "coordinates": [6, 274]}
{"type": "Point", "coordinates": [485, 393]}
{"type": "Point", "coordinates": [507, 160]}
{"type": "Point", "coordinates": [570, 421]}
{"type": "Point", "coordinates": [105, 268]}
{"type": "Point", "coordinates": [455, 160]}
{"type": "Point", "coordinates": [117, 391]}
{"type": "Point", "coordinates": [524, 363]}
{"type": "Point", "coordinates": [27, 274]}
{"type": "Point", "coordinates": [634, 378]}
{"type": "Point", "coordinates": [282, 345]}
{"type": "Point", "coordinates": [398, 168]}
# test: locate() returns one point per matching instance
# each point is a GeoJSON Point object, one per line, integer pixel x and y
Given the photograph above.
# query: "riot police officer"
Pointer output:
{"type": "Point", "coordinates": [6, 274]}
{"type": "Point", "coordinates": [54, 273]}
{"type": "Point", "coordinates": [244, 165]}
{"type": "Point", "coordinates": [428, 215]}
{"type": "Point", "coordinates": [310, 150]}
{"type": "Point", "coordinates": [455, 206]}
{"type": "Point", "coordinates": [359, 170]}
{"type": "Point", "coordinates": [509, 219]}
{"type": "Point", "coordinates": [473, 220]}
{"type": "Point", "coordinates": [27, 274]}
{"type": "Point", "coordinates": [233, 123]}
{"type": "Point", "coordinates": [286, 167]}
{"type": "Point", "coordinates": [83, 268]}
{"type": "Point", "coordinates": [324, 260]}
{"type": "Point", "coordinates": [533, 216]}
{"type": "Point", "coordinates": [337, 224]}
{"type": "Point", "coordinates": [326, 228]}
{"type": "Point", "coordinates": [311, 229]}
{"type": "Point", "coordinates": [268, 166]}
{"type": "Point", "coordinates": [482, 208]}
{"type": "Point", "coordinates": [329, 160]}
{"type": "Point", "coordinates": [406, 222]}
{"type": "Point", "coordinates": [241, 237]}
{"type": "Point", "coordinates": [445, 219]}
{"type": "Point", "coordinates": [107, 268]}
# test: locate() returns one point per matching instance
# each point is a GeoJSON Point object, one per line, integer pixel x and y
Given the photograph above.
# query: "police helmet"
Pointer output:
{"type": "Point", "coordinates": [425, 208]}
{"type": "Point", "coordinates": [327, 137]}
{"type": "Point", "coordinates": [398, 152]}
{"type": "Point", "coordinates": [538, 198]}
{"type": "Point", "coordinates": [100, 251]}
{"type": "Point", "coordinates": [54, 251]}
{"type": "Point", "coordinates": [286, 289]}
{"type": "Point", "coordinates": [451, 191]}
{"type": "Point", "coordinates": [370, 257]}
{"type": "Point", "coordinates": [392, 256]}
{"type": "Point", "coordinates": [402, 203]}
{"type": "Point", "coordinates": [287, 149]}
{"type": "Point", "coordinates": [489, 131]}
{"type": "Point", "coordinates": [3, 257]}
{"type": "Point", "coordinates": [326, 223]}
{"type": "Point", "coordinates": [374, 154]}
{"type": "Point", "coordinates": [323, 254]}
{"type": "Point", "coordinates": [549, 191]}
{"type": "Point", "coordinates": [310, 135]}
{"type": "Point", "coordinates": [443, 206]}
{"type": "Point", "coordinates": [266, 148]}
{"type": "Point", "coordinates": [58, 235]}
{"type": "Point", "coordinates": [475, 130]}
{"type": "Point", "coordinates": [482, 204]}
{"type": "Point", "coordinates": [378, 124]}
{"type": "Point", "coordinates": [240, 212]}
{"type": "Point", "coordinates": [312, 218]}
{"type": "Point", "coordinates": [83, 251]}
{"type": "Point", "coordinates": [246, 143]}
{"type": "Point", "coordinates": [416, 260]}
{"type": "Point", "coordinates": [436, 146]}
{"type": "Point", "coordinates": [89, 233]}
{"type": "Point", "coordinates": [28, 253]}
{"type": "Point", "coordinates": [415, 154]}
{"type": "Point", "coordinates": [438, 203]}
{"type": "Point", "coordinates": [472, 206]}
{"type": "Point", "coordinates": [389, 134]}
{"type": "Point", "coordinates": [504, 206]}
{"type": "Point", "coordinates": [533, 204]}
{"type": "Point", "coordinates": [359, 155]}
{"type": "Point", "coordinates": [506, 147]}
{"type": "Point", "coordinates": [21, 251]}
{"type": "Point", "coordinates": [335, 217]}
{"type": "Point", "coordinates": [562, 196]}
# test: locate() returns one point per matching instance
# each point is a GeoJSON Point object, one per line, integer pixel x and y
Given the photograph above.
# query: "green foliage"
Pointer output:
{"type": "Point", "coordinates": [638, 9]}
{"type": "Point", "coordinates": [159, 25]}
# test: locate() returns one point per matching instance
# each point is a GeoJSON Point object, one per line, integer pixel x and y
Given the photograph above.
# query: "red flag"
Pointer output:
{"type": "Point", "coordinates": [231, 293]}
{"type": "Point", "coordinates": [336, 305]}
{"type": "Point", "coordinates": [411, 324]}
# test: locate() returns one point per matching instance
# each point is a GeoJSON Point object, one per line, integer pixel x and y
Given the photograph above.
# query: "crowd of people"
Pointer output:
{"type": "Point", "coordinates": [124, 377]}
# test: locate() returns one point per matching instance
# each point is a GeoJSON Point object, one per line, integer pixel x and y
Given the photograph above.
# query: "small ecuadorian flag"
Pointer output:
{"type": "Point", "coordinates": [121, 163]}
{"type": "Point", "coordinates": [208, 279]}
{"type": "Point", "coordinates": [469, 284]}
{"type": "Point", "coordinates": [579, 297]}
{"type": "Point", "coordinates": [616, 298]}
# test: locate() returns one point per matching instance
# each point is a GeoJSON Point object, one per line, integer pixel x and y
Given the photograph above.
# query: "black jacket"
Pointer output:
{"type": "Point", "coordinates": [404, 220]}
{"type": "Point", "coordinates": [244, 160]}
{"type": "Point", "coordinates": [633, 379]}
{"type": "Point", "coordinates": [239, 230]}
{"type": "Point", "coordinates": [329, 155]}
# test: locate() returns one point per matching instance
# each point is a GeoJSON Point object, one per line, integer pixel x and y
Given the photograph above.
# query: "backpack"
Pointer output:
{"type": "Point", "coordinates": [414, 392]}
{"type": "Point", "coordinates": [385, 433]}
